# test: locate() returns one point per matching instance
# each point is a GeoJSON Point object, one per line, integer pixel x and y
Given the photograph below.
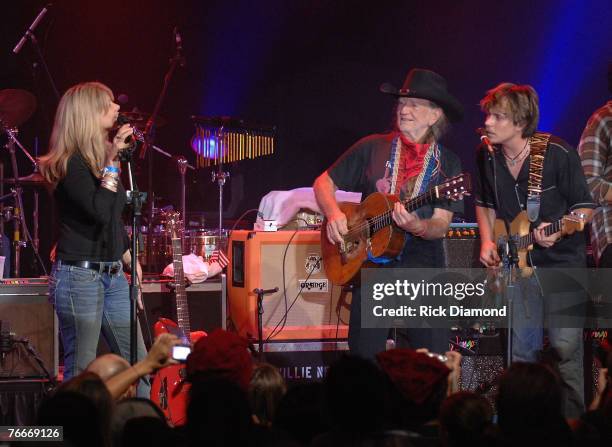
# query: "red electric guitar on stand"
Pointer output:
{"type": "Point", "coordinates": [169, 389]}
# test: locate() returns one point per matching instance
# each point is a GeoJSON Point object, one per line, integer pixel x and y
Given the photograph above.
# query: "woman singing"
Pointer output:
{"type": "Point", "coordinates": [88, 287]}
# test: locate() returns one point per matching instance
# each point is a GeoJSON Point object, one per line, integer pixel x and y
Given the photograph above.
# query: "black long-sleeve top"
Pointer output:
{"type": "Point", "coordinates": [90, 224]}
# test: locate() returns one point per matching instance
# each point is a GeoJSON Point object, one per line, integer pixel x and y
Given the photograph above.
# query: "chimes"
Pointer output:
{"type": "Point", "coordinates": [225, 140]}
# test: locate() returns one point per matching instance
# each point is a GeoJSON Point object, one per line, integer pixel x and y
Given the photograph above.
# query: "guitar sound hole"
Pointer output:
{"type": "Point", "coordinates": [352, 245]}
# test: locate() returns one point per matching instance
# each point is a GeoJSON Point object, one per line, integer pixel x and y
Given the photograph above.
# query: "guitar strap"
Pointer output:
{"type": "Point", "coordinates": [431, 167]}
{"type": "Point", "coordinates": [538, 144]}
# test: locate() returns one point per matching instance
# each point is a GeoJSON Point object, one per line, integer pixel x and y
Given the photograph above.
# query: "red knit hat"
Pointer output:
{"type": "Point", "coordinates": [413, 373]}
{"type": "Point", "coordinates": [222, 353]}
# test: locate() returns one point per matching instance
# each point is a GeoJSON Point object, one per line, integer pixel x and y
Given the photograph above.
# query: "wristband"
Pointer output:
{"type": "Point", "coordinates": [110, 171]}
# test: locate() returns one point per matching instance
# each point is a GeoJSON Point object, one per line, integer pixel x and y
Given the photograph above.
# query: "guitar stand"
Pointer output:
{"type": "Point", "coordinates": [260, 296]}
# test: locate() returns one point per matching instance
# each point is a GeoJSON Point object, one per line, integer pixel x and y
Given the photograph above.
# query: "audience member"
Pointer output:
{"type": "Point", "coordinates": [530, 406]}
{"type": "Point", "coordinates": [109, 365]}
{"type": "Point", "coordinates": [356, 401]}
{"type": "Point", "coordinates": [129, 409]}
{"type": "Point", "coordinates": [418, 385]}
{"type": "Point", "coordinates": [222, 354]}
{"type": "Point", "coordinates": [595, 425]}
{"type": "Point", "coordinates": [218, 414]}
{"type": "Point", "coordinates": [266, 389]}
{"type": "Point", "coordinates": [91, 386]}
{"type": "Point", "coordinates": [464, 420]}
{"type": "Point", "coordinates": [79, 417]}
{"type": "Point", "coordinates": [147, 431]}
{"type": "Point", "coordinates": [159, 356]}
{"type": "Point", "coordinates": [299, 415]}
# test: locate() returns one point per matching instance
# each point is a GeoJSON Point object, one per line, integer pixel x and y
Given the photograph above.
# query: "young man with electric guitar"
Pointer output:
{"type": "Point", "coordinates": [533, 182]}
{"type": "Point", "coordinates": [406, 162]}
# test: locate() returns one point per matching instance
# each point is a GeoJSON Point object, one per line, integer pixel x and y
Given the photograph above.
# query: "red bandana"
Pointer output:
{"type": "Point", "coordinates": [411, 161]}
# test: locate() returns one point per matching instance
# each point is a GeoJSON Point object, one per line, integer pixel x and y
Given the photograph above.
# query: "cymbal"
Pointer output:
{"type": "Point", "coordinates": [34, 179]}
{"type": "Point", "coordinates": [16, 106]}
{"type": "Point", "coordinates": [139, 119]}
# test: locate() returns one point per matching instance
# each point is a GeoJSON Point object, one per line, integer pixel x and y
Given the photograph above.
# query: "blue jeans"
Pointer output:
{"type": "Point", "coordinates": [88, 303]}
{"type": "Point", "coordinates": [533, 312]}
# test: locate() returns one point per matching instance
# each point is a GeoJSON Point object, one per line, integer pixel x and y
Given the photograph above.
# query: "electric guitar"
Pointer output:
{"type": "Point", "coordinates": [524, 238]}
{"type": "Point", "coordinates": [372, 232]}
{"type": "Point", "coordinates": [169, 389]}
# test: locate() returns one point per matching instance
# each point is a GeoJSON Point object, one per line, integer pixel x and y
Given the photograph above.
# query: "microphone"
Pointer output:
{"type": "Point", "coordinates": [121, 120]}
{"type": "Point", "coordinates": [485, 139]}
{"type": "Point", "coordinates": [31, 29]}
{"type": "Point", "coordinates": [138, 134]}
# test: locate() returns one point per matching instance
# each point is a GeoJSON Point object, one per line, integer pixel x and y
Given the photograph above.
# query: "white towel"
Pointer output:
{"type": "Point", "coordinates": [283, 205]}
{"type": "Point", "coordinates": [195, 269]}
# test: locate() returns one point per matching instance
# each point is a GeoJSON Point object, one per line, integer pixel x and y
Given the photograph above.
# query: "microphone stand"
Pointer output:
{"type": "Point", "coordinates": [135, 199]}
{"type": "Point", "coordinates": [43, 62]}
{"type": "Point", "coordinates": [220, 177]}
{"type": "Point", "coordinates": [511, 289]}
{"type": "Point", "coordinates": [182, 168]}
{"type": "Point", "coordinates": [260, 311]}
{"type": "Point", "coordinates": [29, 35]}
{"type": "Point", "coordinates": [510, 259]}
{"type": "Point", "coordinates": [149, 137]}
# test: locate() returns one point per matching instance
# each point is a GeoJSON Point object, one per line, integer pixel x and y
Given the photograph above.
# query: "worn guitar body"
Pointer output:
{"type": "Point", "coordinates": [524, 238]}
{"type": "Point", "coordinates": [169, 389]}
{"type": "Point", "coordinates": [373, 232]}
{"type": "Point", "coordinates": [344, 267]}
{"type": "Point", "coordinates": [518, 227]}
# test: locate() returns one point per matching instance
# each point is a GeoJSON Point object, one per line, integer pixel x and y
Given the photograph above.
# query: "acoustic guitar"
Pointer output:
{"type": "Point", "coordinates": [169, 389]}
{"type": "Point", "coordinates": [524, 239]}
{"type": "Point", "coordinates": [372, 232]}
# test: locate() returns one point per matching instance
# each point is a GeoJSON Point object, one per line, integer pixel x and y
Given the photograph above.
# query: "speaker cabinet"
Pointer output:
{"type": "Point", "coordinates": [462, 252]}
{"type": "Point", "coordinates": [306, 306]}
{"type": "Point", "coordinates": [26, 314]}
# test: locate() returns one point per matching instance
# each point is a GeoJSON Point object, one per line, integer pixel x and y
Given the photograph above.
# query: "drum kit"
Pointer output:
{"type": "Point", "coordinates": [16, 107]}
{"type": "Point", "coordinates": [199, 241]}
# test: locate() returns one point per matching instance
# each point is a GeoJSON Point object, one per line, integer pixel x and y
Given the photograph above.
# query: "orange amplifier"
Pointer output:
{"type": "Point", "coordinates": [306, 306]}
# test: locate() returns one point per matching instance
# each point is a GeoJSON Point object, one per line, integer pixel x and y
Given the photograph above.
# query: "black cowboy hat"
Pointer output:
{"type": "Point", "coordinates": [426, 84]}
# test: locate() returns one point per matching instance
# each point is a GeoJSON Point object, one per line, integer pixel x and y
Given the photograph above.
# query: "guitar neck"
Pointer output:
{"type": "Point", "coordinates": [182, 308]}
{"type": "Point", "coordinates": [529, 239]}
{"type": "Point", "coordinates": [384, 220]}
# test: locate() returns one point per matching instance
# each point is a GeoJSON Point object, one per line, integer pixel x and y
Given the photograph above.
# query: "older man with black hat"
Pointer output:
{"type": "Point", "coordinates": [406, 162]}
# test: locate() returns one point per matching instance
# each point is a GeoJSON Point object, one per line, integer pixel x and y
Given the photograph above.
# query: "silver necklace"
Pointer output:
{"type": "Point", "coordinates": [517, 158]}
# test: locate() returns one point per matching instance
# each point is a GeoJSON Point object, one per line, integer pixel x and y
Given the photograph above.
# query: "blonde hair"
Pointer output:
{"type": "Point", "coordinates": [266, 389]}
{"type": "Point", "coordinates": [77, 129]}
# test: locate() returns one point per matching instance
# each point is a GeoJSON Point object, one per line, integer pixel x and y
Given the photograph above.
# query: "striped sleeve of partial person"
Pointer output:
{"type": "Point", "coordinates": [595, 150]}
